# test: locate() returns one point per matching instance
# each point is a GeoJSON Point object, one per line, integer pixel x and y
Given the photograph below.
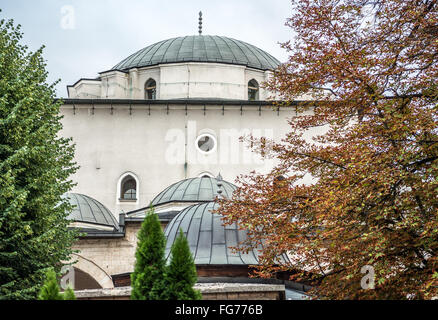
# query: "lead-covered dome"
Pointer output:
{"type": "Point", "coordinates": [200, 189]}
{"type": "Point", "coordinates": [208, 238]}
{"type": "Point", "coordinates": [200, 48]}
{"type": "Point", "coordinates": [90, 212]}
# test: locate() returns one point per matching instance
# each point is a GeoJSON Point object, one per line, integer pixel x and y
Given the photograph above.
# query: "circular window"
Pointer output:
{"type": "Point", "coordinates": [206, 143]}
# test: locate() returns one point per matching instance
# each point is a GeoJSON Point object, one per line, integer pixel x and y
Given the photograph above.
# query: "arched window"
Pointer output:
{"type": "Point", "coordinates": [253, 90]}
{"type": "Point", "coordinates": [150, 89]}
{"type": "Point", "coordinates": [128, 190]}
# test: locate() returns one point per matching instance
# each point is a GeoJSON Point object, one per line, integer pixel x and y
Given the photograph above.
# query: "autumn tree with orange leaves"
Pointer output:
{"type": "Point", "coordinates": [372, 67]}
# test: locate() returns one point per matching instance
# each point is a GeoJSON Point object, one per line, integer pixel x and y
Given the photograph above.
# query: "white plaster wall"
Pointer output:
{"type": "Point", "coordinates": [203, 80]}
{"type": "Point", "coordinates": [154, 147]}
{"type": "Point", "coordinates": [114, 85]}
{"type": "Point", "coordinates": [85, 89]}
{"type": "Point", "coordinates": [175, 81]}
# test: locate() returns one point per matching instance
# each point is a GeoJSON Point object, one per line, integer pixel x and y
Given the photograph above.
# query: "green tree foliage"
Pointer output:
{"type": "Point", "coordinates": [181, 272]}
{"type": "Point", "coordinates": [35, 165]}
{"type": "Point", "coordinates": [370, 145]}
{"type": "Point", "coordinates": [50, 289]}
{"type": "Point", "coordinates": [148, 278]}
{"type": "Point", "coordinates": [69, 294]}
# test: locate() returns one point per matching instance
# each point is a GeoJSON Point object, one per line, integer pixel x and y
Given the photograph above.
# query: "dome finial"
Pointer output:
{"type": "Point", "coordinates": [200, 22]}
{"type": "Point", "coordinates": [219, 185]}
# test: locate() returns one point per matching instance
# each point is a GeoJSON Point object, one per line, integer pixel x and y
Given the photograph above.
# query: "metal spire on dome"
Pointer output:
{"type": "Point", "coordinates": [219, 185]}
{"type": "Point", "coordinates": [200, 22]}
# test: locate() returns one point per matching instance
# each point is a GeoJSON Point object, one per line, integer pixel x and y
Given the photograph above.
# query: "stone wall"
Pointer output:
{"type": "Point", "coordinates": [112, 255]}
{"type": "Point", "coordinates": [209, 291]}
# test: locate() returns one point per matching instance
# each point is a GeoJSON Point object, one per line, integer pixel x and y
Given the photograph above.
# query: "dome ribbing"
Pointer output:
{"type": "Point", "coordinates": [201, 48]}
{"type": "Point", "coordinates": [193, 190]}
{"type": "Point", "coordinates": [209, 240]}
{"type": "Point", "coordinates": [90, 211]}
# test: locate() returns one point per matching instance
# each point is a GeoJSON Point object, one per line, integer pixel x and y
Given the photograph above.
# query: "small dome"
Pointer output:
{"type": "Point", "coordinates": [90, 211]}
{"type": "Point", "coordinates": [200, 48]}
{"type": "Point", "coordinates": [208, 238]}
{"type": "Point", "coordinates": [201, 189]}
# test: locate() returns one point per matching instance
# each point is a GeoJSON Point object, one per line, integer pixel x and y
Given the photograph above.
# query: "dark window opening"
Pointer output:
{"type": "Point", "coordinates": [151, 90]}
{"type": "Point", "coordinates": [128, 189]}
{"type": "Point", "coordinates": [253, 90]}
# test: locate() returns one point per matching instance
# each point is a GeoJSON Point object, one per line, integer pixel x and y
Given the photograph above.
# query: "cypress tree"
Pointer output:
{"type": "Point", "coordinates": [147, 280]}
{"type": "Point", "coordinates": [50, 289]}
{"type": "Point", "coordinates": [35, 166]}
{"type": "Point", "coordinates": [181, 272]}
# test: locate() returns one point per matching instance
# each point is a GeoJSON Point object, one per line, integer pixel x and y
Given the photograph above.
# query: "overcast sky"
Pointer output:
{"type": "Point", "coordinates": [84, 37]}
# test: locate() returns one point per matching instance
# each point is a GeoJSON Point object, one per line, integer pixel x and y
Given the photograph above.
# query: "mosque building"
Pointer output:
{"type": "Point", "coordinates": [162, 128]}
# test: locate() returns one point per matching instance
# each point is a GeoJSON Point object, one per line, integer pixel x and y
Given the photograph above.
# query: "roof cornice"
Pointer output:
{"type": "Point", "coordinates": [68, 101]}
{"type": "Point", "coordinates": [83, 79]}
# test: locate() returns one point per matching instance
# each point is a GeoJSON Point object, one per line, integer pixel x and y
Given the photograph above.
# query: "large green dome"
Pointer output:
{"type": "Point", "coordinates": [201, 48]}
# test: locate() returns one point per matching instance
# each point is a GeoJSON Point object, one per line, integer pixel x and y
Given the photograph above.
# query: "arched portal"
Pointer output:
{"type": "Point", "coordinates": [83, 281]}
{"type": "Point", "coordinates": [90, 274]}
